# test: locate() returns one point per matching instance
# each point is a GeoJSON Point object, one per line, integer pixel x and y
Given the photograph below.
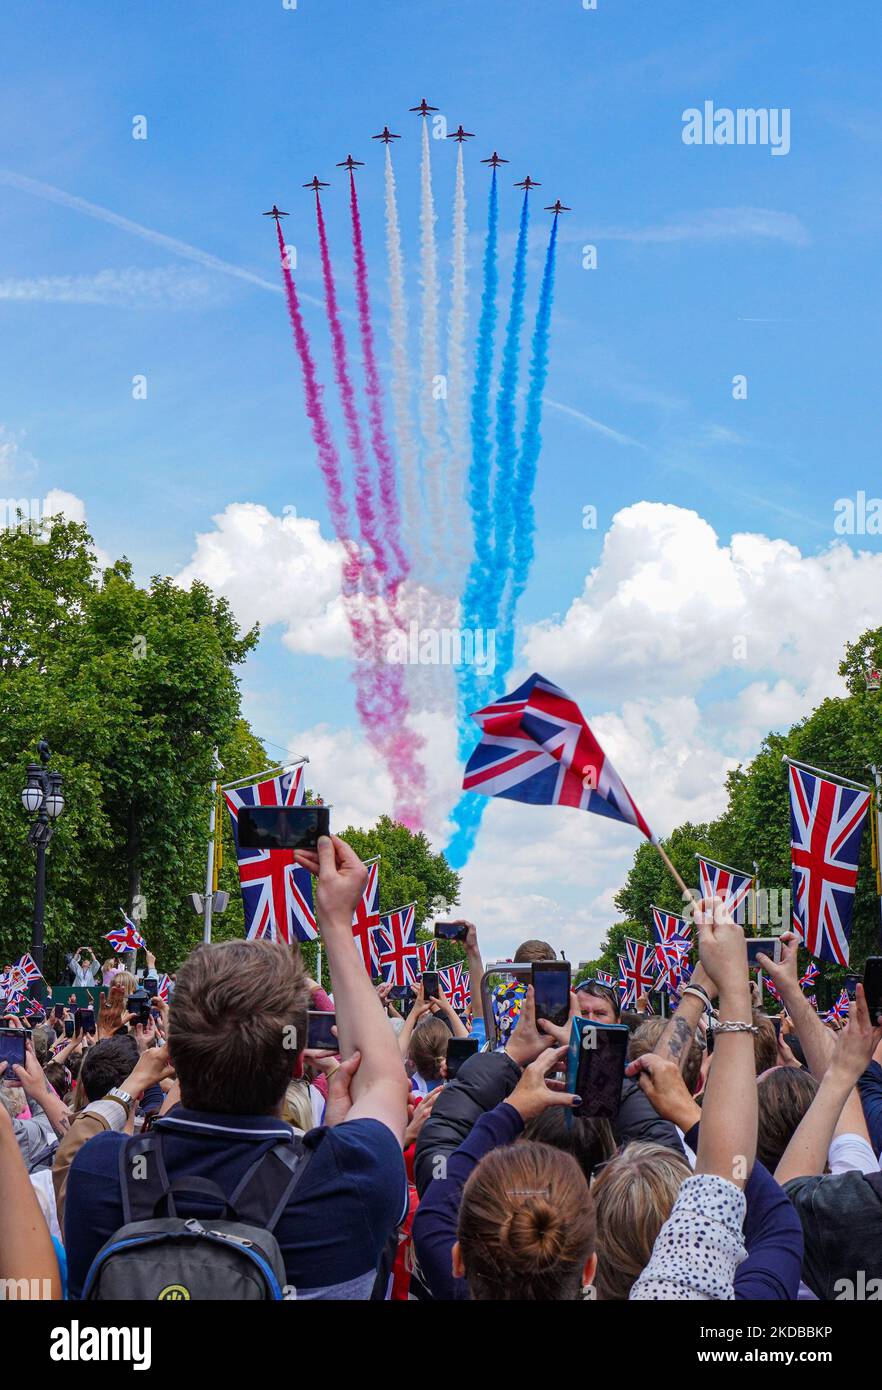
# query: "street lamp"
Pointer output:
{"type": "Point", "coordinates": [41, 797]}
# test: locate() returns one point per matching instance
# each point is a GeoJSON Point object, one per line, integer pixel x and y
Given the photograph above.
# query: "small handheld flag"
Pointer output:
{"type": "Point", "coordinates": [126, 938]}
{"type": "Point", "coordinates": [29, 968]}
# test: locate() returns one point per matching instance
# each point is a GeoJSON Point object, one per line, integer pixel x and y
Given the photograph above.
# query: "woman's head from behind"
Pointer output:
{"type": "Point", "coordinates": [633, 1197]}
{"type": "Point", "coordinates": [591, 1142]}
{"type": "Point", "coordinates": [784, 1094]}
{"type": "Point", "coordinates": [526, 1226]}
{"type": "Point", "coordinates": [428, 1048]}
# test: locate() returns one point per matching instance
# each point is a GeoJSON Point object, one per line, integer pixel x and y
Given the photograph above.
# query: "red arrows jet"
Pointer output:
{"type": "Point", "coordinates": [528, 183]}
{"type": "Point", "coordinates": [385, 135]}
{"type": "Point", "coordinates": [424, 108]}
{"type": "Point", "coordinates": [461, 135]}
{"type": "Point", "coordinates": [350, 163]}
{"type": "Point", "coordinates": [315, 184]}
{"type": "Point", "coordinates": [557, 207]}
{"type": "Point", "coordinates": [274, 212]}
{"type": "Point", "coordinates": [494, 161]}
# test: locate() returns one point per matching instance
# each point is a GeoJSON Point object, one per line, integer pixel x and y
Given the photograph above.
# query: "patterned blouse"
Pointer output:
{"type": "Point", "coordinates": [700, 1245]}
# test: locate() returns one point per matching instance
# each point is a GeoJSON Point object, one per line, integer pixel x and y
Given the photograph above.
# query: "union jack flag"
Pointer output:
{"type": "Point", "coordinates": [29, 968]}
{"type": "Point", "coordinates": [811, 974]}
{"type": "Point", "coordinates": [772, 988]}
{"type": "Point", "coordinates": [162, 988]}
{"type": "Point", "coordinates": [276, 892]}
{"type": "Point", "coordinates": [13, 1001]}
{"type": "Point", "coordinates": [826, 825]}
{"type": "Point", "coordinates": [426, 955]}
{"type": "Point", "coordinates": [536, 747]}
{"type": "Point", "coordinates": [669, 956]}
{"type": "Point", "coordinates": [667, 926]}
{"type": "Point", "coordinates": [719, 881]}
{"type": "Point", "coordinates": [839, 1010]}
{"type": "Point", "coordinates": [813, 1000]}
{"type": "Point", "coordinates": [396, 947]}
{"type": "Point", "coordinates": [635, 966]}
{"type": "Point", "coordinates": [126, 938]}
{"type": "Point", "coordinates": [455, 983]}
{"type": "Point", "coordinates": [367, 917]}
{"type": "Point", "coordinates": [603, 977]}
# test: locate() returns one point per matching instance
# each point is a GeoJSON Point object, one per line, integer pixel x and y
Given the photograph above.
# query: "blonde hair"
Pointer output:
{"type": "Point", "coordinates": [634, 1195]}
{"type": "Point", "coordinates": [297, 1105]}
{"type": "Point", "coordinates": [126, 982]}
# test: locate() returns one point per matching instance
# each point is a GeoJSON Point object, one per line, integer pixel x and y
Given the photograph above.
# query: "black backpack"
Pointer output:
{"type": "Point", "coordinates": [158, 1255]}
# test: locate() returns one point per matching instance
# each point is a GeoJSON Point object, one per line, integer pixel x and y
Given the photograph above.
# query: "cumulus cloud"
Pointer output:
{"type": "Point", "coordinates": [275, 570]}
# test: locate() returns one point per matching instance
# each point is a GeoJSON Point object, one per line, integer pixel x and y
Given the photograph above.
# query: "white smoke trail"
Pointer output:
{"type": "Point", "coordinates": [405, 436]}
{"type": "Point", "coordinates": [429, 375]}
{"type": "Point", "coordinates": [457, 403]}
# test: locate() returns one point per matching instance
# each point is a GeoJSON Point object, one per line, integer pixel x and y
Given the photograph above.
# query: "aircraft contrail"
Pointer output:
{"type": "Point", "coordinates": [431, 432]}
{"type": "Point", "coordinates": [457, 407]}
{"type": "Point", "coordinates": [50, 194]}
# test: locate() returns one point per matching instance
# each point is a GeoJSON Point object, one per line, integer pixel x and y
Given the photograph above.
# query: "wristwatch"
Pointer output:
{"type": "Point", "coordinates": [116, 1093]}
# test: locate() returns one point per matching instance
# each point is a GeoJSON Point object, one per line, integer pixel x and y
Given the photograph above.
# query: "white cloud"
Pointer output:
{"type": "Point", "coordinates": [170, 287]}
{"type": "Point", "coordinates": [275, 570]}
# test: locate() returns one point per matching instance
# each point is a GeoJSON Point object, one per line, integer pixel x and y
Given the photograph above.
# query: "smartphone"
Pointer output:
{"type": "Point", "coordinates": [58, 1011]}
{"type": "Point", "coordinates": [776, 1024]}
{"type": "Point", "coordinates": [596, 1067]}
{"type": "Point", "coordinates": [282, 827]}
{"type": "Point", "coordinates": [873, 987]}
{"type": "Point", "coordinates": [139, 1005]}
{"type": "Point", "coordinates": [458, 1051]}
{"type": "Point", "coordinates": [551, 987]}
{"type": "Point", "coordinates": [766, 945]}
{"type": "Point", "coordinates": [85, 1020]}
{"type": "Point", "coordinates": [68, 1027]}
{"type": "Point", "coordinates": [430, 984]}
{"type": "Point", "coordinates": [12, 1050]}
{"type": "Point", "coordinates": [318, 1031]}
{"type": "Point", "coordinates": [399, 991]}
{"type": "Point", "coordinates": [150, 988]}
{"type": "Point", "coordinates": [851, 982]}
{"type": "Point", "coordinates": [451, 931]}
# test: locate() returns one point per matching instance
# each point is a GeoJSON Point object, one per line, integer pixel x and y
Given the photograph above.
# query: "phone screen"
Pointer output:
{"type": "Point", "coordinates": [767, 945]}
{"type": "Point", "coordinates": [430, 984]}
{"type": "Point", "coordinates": [551, 986]}
{"type": "Point", "coordinates": [850, 984]}
{"type": "Point", "coordinates": [458, 1051]}
{"type": "Point", "coordinates": [873, 986]}
{"type": "Point", "coordinates": [68, 1027]}
{"type": "Point", "coordinates": [451, 931]}
{"type": "Point", "coordinates": [12, 1050]}
{"type": "Point", "coordinates": [85, 1019]}
{"type": "Point", "coordinates": [318, 1031]}
{"type": "Point", "coordinates": [596, 1067]}
{"type": "Point", "coordinates": [282, 827]}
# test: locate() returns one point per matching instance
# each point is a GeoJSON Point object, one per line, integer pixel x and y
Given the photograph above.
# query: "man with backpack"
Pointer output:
{"type": "Point", "coordinates": [219, 1199]}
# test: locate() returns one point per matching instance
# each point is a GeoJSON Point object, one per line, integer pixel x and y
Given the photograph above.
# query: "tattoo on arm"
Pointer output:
{"type": "Point", "coordinates": [680, 1039]}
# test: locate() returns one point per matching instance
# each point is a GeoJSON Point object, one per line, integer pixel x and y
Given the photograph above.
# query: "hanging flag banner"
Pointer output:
{"type": "Point", "coordinates": [827, 819]}
{"type": "Point", "coordinates": [276, 892]}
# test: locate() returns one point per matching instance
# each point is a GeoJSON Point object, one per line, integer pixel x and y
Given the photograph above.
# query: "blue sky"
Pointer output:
{"type": "Point", "coordinates": [712, 261]}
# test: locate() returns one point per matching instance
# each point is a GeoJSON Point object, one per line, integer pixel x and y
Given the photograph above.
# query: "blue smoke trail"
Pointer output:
{"type": "Point", "coordinates": [470, 808]}
{"type": "Point", "coordinates": [531, 447]}
{"type": "Point", "coordinates": [477, 595]}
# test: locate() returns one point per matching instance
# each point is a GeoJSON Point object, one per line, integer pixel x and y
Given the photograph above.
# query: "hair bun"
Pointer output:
{"type": "Point", "coordinates": [532, 1235]}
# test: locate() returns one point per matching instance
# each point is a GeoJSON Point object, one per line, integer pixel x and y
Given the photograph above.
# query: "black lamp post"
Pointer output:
{"type": "Point", "coordinates": [41, 798]}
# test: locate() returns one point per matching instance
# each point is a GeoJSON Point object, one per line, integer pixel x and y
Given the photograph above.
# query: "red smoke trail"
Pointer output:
{"type": "Point", "coordinates": [379, 440]}
{"type": "Point", "coordinates": [380, 699]}
{"type": "Point", "coordinates": [364, 505]}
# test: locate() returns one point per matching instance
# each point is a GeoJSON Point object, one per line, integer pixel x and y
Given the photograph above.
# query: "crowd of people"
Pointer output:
{"type": "Point", "coordinates": [198, 1148]}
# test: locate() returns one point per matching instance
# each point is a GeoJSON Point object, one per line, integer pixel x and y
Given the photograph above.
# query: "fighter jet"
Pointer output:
{"type": "Point", "coordinates": [494, 161]}
{"type": "Point", "coordinates": [274, 212]}
{"type": "Point", "coordinates": [460, 135]}
{"type": "Point", "coordinates": [424, 108]}
{"type": "Point", "coordinates": [350, 163]}
{"type": "Point", "coordinates": [385, 135]}
{"type": "Point", "coordinates": [557, 207]}
{"type": "Point", "coordinates": [528, 183]}
{"type": "Point", "coordinates": [315, 184]}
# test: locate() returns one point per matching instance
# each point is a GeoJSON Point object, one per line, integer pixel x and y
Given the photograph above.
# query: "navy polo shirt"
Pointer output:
{"type": "Point", "coordinates": [351, 1198]}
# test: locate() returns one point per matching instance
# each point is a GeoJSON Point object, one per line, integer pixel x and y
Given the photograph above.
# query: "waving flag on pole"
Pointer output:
{"type": "Point", "coordinates": [719, 881]}
{"type": "Point", "coordinates": [536, 747]}
{"type": "Point", "coordinates": [162, 990]}
{"type": "Point", "coordinates": [839, 1010]}
{"type": "Point", "coordinates": [455, 983]}
{"type": "Point", "coordinates": [603, 977]}
{"type": "Point", "coordinates": [396, 947]}
{"type": "Point", "coordinates": [667, 926]}
{"type": "Point", "coordinates": [812, 972]}
{"type": "Point", "coordinates": [276, 892]}
{"type": "Point", "coordinates": [366, 918]}
{"type": "Point", "coordinates": [826, 825]}
{"type": "Point", "coordinates": [126, 938]}
{"type": "Point", "coordinates": [426, 955]}
{"type": "Point", "coordinates": [637, 974]}
{"type": "Point", "coordinates": [29, 968]}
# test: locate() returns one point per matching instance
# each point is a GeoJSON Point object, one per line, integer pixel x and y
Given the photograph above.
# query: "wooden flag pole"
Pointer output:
{"type": "Point", "coordinates": [687, 896]}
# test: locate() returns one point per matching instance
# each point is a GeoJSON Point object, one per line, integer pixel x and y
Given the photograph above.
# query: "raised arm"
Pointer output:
{"type": "Point", "coordinates": [676, 1040]}
{"type": "Point", "coordinates": [27, 1256]}
{"type": "Point", "coordinates": [379, 1087]}
{"type": "Point", "coordinates": [817, 1041]}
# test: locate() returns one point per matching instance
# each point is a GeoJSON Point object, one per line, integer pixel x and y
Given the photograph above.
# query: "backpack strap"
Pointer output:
{"type": "Point", "coordinates": [143, 1180]}
{"type": "Point", "coordinates": [266, 1188]}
